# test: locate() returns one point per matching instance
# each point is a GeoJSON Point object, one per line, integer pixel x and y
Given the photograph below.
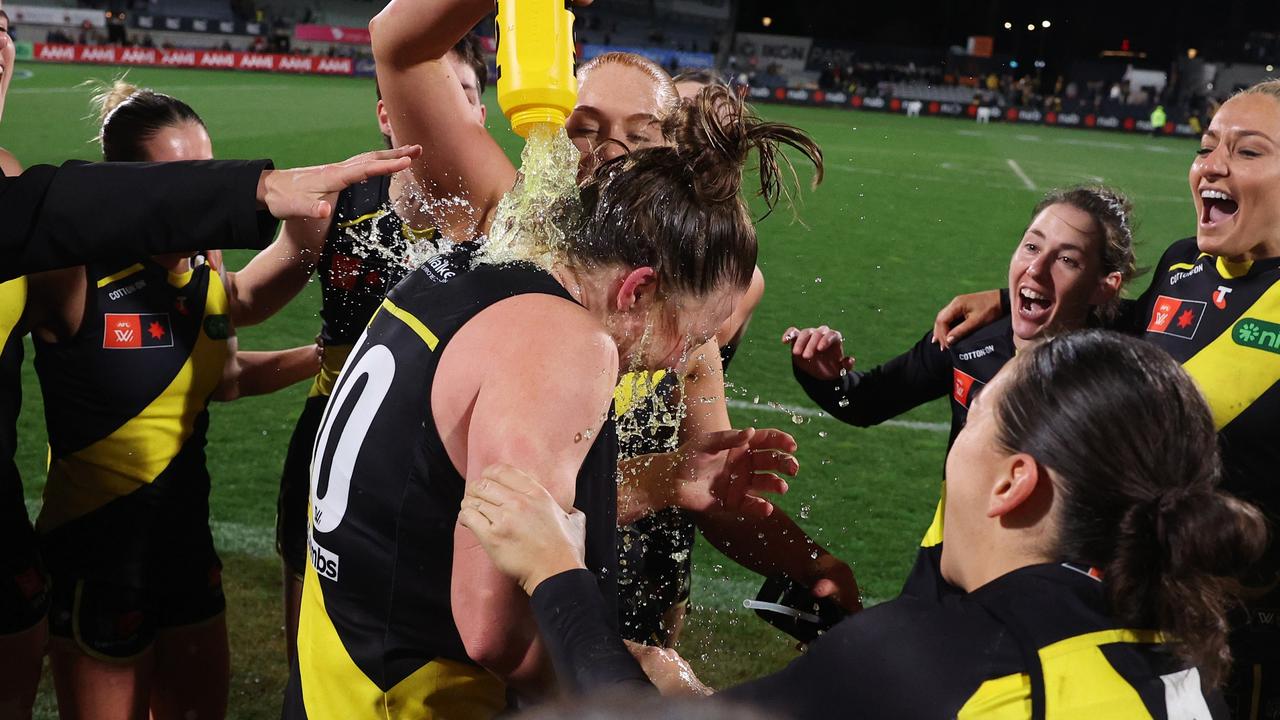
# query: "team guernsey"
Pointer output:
{"type": "Point", "coordinates": [1037, 642]}
{"type": "Point", "coordinates": [124, 524]}
{"type": "Point", "coordinates": [377, 637]}
{"type": "Point", "coordinates": [363, 257]}
{"type": "Point", "coordinates": [1221, 320]}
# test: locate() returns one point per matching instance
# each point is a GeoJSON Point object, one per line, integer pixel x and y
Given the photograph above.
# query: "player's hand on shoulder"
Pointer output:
{"type": "Point", "coordinates": [964, 314]}
{"type": "Point", "coordinates": [525, 532]}
{"type": "Point", "coordinates": [818, 352]}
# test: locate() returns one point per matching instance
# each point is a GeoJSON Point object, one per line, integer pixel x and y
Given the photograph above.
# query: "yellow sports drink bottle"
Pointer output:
{"type": "Point", "coordinates": [536, 84]}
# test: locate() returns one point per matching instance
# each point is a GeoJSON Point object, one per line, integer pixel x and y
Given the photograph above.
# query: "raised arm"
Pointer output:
{"type": "Point", "coordinates": [545, 381]}
{"type": "Point", "coordinates": [426, 105]}
{"type": "Point", "coordinates": [913, 378]}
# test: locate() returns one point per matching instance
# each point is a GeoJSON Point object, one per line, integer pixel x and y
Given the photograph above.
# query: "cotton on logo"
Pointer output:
{"type": "Point", "coordinates": [1220, 297]}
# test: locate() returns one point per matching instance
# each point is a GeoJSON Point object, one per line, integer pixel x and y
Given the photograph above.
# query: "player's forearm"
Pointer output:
{"type": "Point", "coordinates": [276, 275]}
{"type": "Point", "coordinates": [767, 546]}
{"type": "Point", "coordinates": [409, 32]}
{"type": "Point", "coordinates": [647, 485]}
{"type": "Point", "coordinates": [266, 372]}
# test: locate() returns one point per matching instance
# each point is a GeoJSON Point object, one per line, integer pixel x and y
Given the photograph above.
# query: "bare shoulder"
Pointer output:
{"type": "Point", "coordinates": [9, 164]}
{"type": "Point", "coordinates": [545, 330]}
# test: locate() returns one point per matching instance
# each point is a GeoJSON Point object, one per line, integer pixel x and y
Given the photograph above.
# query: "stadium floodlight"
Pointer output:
{"type": "Point", "coordinates": [1008, 26]}
{"type": "Point", "coordinates": [766, 21]}
{"type": "Point", "coordinates": [1045, 24]}
{"type": "Point", "coordinates": [1271, 68]}
{"type": "Point", "coordinates": [1031, 26]}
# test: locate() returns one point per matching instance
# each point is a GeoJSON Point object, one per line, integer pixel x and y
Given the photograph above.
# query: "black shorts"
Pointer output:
{"type": "Point", "coordinates": [114, 621]}
{"type": "Point", "coordinates": [24, 582]}
{"type": "Point", "coordinates": [654, 573]}
{"type": "Point", "coordinates": [295, 487]}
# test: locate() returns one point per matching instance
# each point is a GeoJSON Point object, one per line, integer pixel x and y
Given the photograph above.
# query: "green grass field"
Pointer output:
{"type": "Point", "coordinates": [912, 212]}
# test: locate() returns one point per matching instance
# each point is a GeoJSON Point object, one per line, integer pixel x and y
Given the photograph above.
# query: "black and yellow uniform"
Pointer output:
{"type": "Point", "coordinates": [920, 375]}
{"type": "Point", "coordinates": [1036, 642]}
{"type": "Point", "coordinates": [376, 634]}
{"type": "Point", "coordinates": [1221, 320]}
{"type": "Point", "coordinates": [125, 523]}
{"type": "Point", "coordinates": [364, 255]}
{"type": "Point", "coordinates": [24, 596]}
{"type": "Point", "coordinates": [655, 553]}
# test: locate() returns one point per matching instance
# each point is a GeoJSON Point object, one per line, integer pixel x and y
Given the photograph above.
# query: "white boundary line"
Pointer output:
{"type": "Point", "coordinates": [812, 413]}
{"type": "Point", "coordinates": [1017, 170]}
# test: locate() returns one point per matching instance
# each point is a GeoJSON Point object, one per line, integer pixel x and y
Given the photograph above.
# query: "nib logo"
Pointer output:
{"type": "Point", "coordinates": [1257, 334]}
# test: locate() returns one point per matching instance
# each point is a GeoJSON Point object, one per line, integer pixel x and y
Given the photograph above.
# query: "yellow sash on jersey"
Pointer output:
{"type": "Point", "coordinates": [634, 387]}
{"type": "Point", "coordinates": [1231, 375]}
{"type": "Point", "coordinates": [334, 687]}
{"type": "Point", "coordinates": [13, 299]}
{"type": "Point", "coordinates": [1079, 682]}
{"type": "Point", "coordinates": [139, 450]}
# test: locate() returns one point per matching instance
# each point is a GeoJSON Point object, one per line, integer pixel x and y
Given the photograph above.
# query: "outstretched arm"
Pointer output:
{"type": "Point", "coordinates": [462, 170]}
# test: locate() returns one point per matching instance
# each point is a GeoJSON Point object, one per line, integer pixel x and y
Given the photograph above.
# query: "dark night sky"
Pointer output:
{"type": "Point", "coordinates": [1079, 29]}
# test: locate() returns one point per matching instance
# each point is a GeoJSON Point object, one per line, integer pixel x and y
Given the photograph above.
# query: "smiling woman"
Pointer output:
{"type": "Point", "coordinates": [1214, 305]}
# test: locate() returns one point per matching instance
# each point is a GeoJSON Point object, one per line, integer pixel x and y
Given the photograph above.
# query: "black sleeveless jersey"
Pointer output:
{"type": "Point", "coordinates": [365, 254]}
{"type": "Point", "coordinates": [377, 627]}
{"type": "Point", "coordinates": [1221, 320]}
{"type": "Point", "coordinates": [126, 408]}
{"type": "Point", "coordinates": [13, 301]}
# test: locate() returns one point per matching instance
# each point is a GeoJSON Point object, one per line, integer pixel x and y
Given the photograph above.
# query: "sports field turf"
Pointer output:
{"type": "Point", "coordinates": [912, 212]}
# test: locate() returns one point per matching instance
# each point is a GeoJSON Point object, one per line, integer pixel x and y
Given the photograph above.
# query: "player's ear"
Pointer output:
{"type": "Point", "coordinates": [637, 287]}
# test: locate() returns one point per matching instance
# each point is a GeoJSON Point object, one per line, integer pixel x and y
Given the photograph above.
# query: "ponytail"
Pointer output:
{"type": "Point", "coordinates": [129, 116]}
{"type": "Point", "coordinates": [1133, 454]}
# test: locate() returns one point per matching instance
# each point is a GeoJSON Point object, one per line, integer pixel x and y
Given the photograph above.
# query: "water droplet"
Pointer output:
{"type": "Point", "coordinates": [805, 509]}
{"type": "Point", "coordinates": [822, 433]}
{"type": "Point", "coordinates": [755, 400]}
{"type": "Point", "coordinates": [797, 419]}
{"type": "Point", "coordinates": [814, 554]}
{"type": "Point", "coordinates": [818, 280]}
{"type": "Point", "coordinates": [843, 402]}
{"type": "Point", "coordinates": [577, 437]}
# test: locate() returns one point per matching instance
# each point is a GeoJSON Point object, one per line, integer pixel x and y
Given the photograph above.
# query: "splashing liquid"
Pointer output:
{"type": "Point", "coordinates": [529, 222]}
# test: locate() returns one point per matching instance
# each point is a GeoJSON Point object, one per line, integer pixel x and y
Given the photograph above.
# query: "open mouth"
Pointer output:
{"type": "Point", "coordinates": [1033, 305]}
{"type": "Point", "coordinates": [1216, 206]}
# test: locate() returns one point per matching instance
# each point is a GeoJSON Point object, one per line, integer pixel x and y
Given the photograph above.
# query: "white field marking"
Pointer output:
{"type": "Point", "coordinates": [1017, 170]}
{"type": "Point", "coordinates": [943, 178]}
{"type": "Point", "coordinates": [724, 593]}
{"type": "Point", "coordinates": [1029, 138]}
{"type": "Point", "coordinates": [814, 413]}
{"type": "Point", "coordinates": [970, 133]}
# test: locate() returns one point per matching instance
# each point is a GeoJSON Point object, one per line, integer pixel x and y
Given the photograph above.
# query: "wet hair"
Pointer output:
{"type": "Point", "coordinates": [1133, 455]}
{"type": "Point", "coordinates": [667, 94]}
{"type": "Point", "coordinates": [469, 51]}
{"type": "Point", "coordinates": [129, 116]}
{"type": "Point", "coordinates": [678, 208]}
{"type": "Point", "coordinates": [1112, 214]}
{"type": "Point", "coordinates": [1266, 87]}
{"type": "Point", "coordinates": [701, 76]}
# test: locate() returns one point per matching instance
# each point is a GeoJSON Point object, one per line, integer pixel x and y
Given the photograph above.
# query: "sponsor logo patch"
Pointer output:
{"type": "Point", "coordinates": [1257, 334]}
{"type": "Point", "coordinates": [1220, 297]}
{"type": "Point", "coordinates": [965, 387]}
{"type": "Point", "coordinates": [324, 561]}
{"type": "Point", "coordinates": [1177, 317]}
{"type": "Point", "coordinates": [217, 327]}
{"type": "Point", "coordinates": [133, 331]}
